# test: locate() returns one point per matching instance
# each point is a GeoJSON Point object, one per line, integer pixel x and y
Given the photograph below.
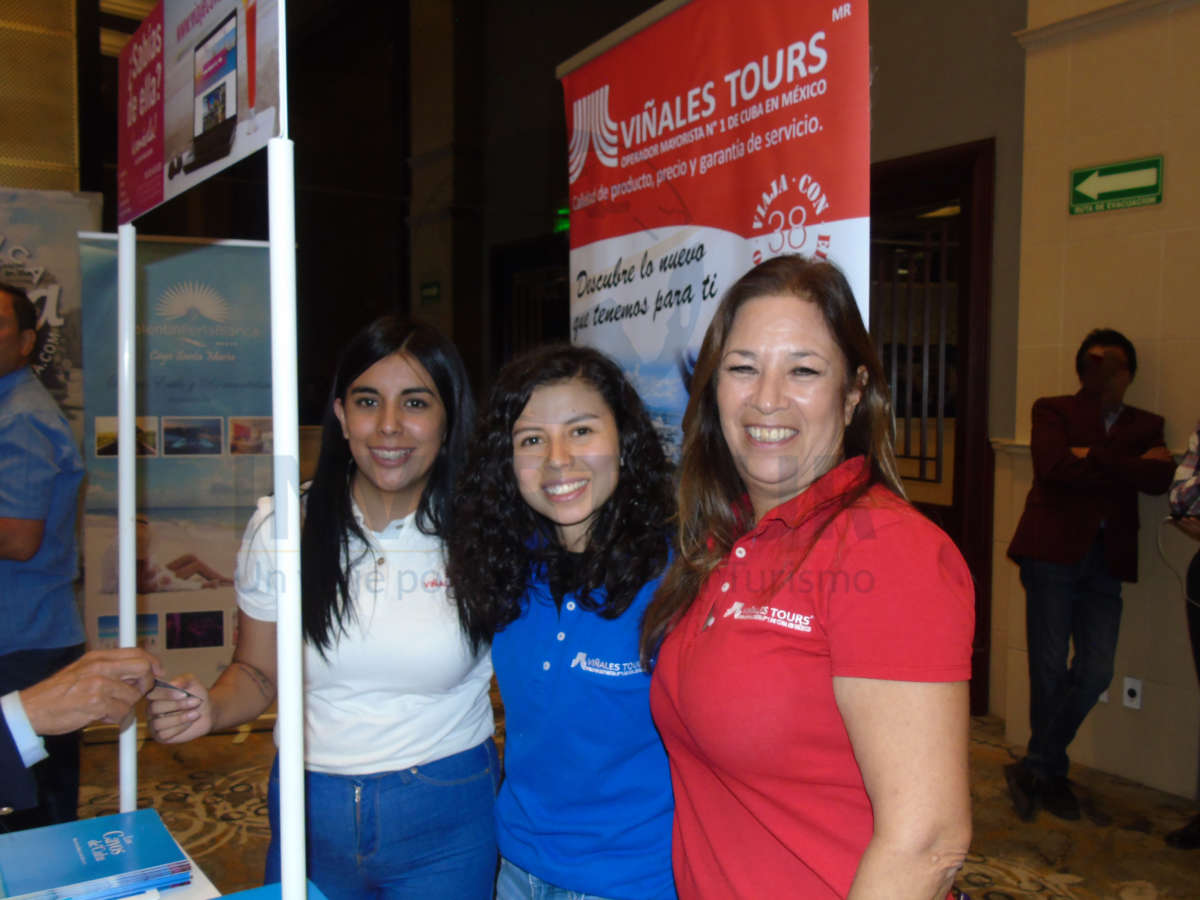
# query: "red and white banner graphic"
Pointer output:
{"type": "Point", "coordinates": [198, 90]}
{"type": "Point", "coordinates": [722, 135]}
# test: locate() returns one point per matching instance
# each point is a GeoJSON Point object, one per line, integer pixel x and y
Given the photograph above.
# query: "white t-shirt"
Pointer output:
{"type": "Point", "coordinates": [400, 686]}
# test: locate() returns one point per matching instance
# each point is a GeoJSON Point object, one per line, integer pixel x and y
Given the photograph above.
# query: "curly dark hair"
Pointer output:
{"type": "Point", "coordinates": [498, 543]}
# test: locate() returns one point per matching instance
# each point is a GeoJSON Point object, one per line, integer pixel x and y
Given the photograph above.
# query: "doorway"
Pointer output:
{"type": "Point", "coordinates": [931, 268]}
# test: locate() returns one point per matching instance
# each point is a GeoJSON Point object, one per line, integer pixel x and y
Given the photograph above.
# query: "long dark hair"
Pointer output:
{"type": "Point", "coordinates": [329, 522]}
{"type": "Point", "coordinates": [712, 512]}
{"type": "Point", "coordinates": [499, 543]}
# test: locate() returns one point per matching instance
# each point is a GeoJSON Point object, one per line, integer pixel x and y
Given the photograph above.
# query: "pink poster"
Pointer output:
{"type": "Point", "coordinates": [198, 91]}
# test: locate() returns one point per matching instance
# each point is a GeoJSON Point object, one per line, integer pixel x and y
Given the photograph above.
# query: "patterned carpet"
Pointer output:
{"type": "Point", "coordinates": [212, 795]}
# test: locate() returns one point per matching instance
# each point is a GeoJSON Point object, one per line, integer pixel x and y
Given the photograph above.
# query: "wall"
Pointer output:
{"type": "Point", "coordinates": [1107, 82]}
{"type": "Point", "coordinates": [39, 147]}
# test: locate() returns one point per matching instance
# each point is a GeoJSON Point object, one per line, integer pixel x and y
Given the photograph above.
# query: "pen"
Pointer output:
{"type": "Point", "coordinates": [158, 682]}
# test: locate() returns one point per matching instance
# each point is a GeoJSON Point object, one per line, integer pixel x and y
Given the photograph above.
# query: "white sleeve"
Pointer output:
{"type": "Point", "coordinates": [31, 747]}
{"type": "Point", "coordinates": [255, 576]}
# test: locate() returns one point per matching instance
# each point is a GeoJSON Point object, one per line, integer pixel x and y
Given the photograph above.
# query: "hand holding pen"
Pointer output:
{"type": "Point", "coordinates": [178, 710]}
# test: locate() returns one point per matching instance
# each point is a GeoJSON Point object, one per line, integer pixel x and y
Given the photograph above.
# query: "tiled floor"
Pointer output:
{"type": "Point", "coordinates": [212, 795]}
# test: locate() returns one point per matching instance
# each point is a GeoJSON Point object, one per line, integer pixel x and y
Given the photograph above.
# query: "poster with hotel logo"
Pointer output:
{"type": "Point", "coordinates": [204, 439]}
{"type": "Point", "coordinates": [198, 90]}
{"type": "Point", "coordinates": [722, 135]}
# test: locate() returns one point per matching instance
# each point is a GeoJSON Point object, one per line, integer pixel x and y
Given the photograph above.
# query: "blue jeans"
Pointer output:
{"type": "Point", "coordinates": [514, 883]}
{"type": "Point", "coordinates": [424, 832]}
{"type": "Point", "coordinates": [1079, 603]}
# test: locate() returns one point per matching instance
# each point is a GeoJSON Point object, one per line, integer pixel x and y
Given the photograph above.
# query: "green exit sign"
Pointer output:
{"type": "Point", "coordinates": [1122, 185]}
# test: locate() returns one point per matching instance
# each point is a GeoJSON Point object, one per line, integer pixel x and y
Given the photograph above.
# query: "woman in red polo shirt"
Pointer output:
{"type": "Point", "coordinates": [813, 633]}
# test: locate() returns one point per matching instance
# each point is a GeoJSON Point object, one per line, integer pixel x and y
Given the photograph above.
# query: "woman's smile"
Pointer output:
{"type": "Point", "coordinates": [565, 491]}
{"type": "Point", "coordinates": [566, 452]}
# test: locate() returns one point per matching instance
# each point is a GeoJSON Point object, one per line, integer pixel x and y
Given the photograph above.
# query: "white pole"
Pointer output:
{"type": "Point", "coordinates": [127, 487]}
{"type": "Point", "coordinates": [281, 205]}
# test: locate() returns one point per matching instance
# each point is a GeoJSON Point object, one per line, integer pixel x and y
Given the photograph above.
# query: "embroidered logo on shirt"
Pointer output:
{"type": "Point", "coordinates": [782, 617]}
{"type": "Point", "coordinates": [600, 667]}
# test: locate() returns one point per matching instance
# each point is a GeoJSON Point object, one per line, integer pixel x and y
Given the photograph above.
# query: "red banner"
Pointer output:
{"type": "Point", "coordinates": [722, 135]}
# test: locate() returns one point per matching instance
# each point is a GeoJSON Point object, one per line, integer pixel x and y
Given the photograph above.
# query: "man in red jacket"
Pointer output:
{"type": "Point", "coordinates": [1076, 542]}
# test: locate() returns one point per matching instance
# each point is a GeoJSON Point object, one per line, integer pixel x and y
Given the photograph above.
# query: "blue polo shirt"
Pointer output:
{"type": "Point", "coordinates": [586, 801]}
{"type": "Point", "coordinates": [40, 472]}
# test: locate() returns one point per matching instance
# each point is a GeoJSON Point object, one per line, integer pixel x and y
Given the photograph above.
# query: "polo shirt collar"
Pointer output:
{"type": "Point", "coordinates": [393, 528]}
{"type": "Point", "coordinates": [837, 481]}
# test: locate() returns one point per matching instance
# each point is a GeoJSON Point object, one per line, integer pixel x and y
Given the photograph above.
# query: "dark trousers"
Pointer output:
{"type": "Point", "coordinates": [1064, 604]}
{"type": "Point", "coordinates": [57, 776]}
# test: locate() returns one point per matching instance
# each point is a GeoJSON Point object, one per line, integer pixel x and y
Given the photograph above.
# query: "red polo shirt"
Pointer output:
{"type": "Point", "coordinates": [769, 801]}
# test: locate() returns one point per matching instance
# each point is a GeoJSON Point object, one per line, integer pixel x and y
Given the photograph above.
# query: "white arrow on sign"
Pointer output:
{"type": "Point", "coordinates": [1096, 184]}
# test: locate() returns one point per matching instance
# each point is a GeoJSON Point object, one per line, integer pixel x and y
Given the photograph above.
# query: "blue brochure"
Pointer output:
{"type": "Point", "coordinates": [92, 859]}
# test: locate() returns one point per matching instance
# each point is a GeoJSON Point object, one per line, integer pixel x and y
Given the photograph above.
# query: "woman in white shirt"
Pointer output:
{"type": "Point", "coordinates": [401, 769]}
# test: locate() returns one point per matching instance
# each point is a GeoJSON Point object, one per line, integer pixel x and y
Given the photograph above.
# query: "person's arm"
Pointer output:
{"type": "Point", "coordinates": [1055, 459]}
{"type": "Point", "coordinates": [1185, 484]}
{"type": "Point", "coordinates": [100, 686]}
{"type": "Point", "coordinates": [1150, 472]}
{"type": "Point", "coordinates": [18, 789]}
{"type": "Point", "coordinates": [243, 691]}
{"type": "Point", "coordinates": [27, 472]}
{"type": "Point", "coordinates": [910, 740]}
{"type": "Point", "coordinates": [20, 538]}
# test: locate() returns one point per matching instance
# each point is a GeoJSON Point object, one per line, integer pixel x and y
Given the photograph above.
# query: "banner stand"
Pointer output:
{"type": "Point", "coordinates": [127, 488]}
{"type": "Point", "coordinates": [285, 412]}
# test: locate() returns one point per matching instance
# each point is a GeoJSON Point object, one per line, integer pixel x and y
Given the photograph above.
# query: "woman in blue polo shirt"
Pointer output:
{"type": "Point", "coordinates": [560, 538]}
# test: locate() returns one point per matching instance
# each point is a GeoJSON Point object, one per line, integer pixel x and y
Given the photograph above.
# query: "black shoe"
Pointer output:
{"type": "Point", "coordinates": [1056, 797]}
{"type": "Point", "coordinates": [1022, 789]}
{"type": "Point", "coordinates": [1187, 837]}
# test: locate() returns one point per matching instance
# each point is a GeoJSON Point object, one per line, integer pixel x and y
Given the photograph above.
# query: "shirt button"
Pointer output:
{"type": "Point", "coordinates": [546, 666]}
{"type": "Point", "coordinates": [725, 587]}
{"type": "Point", "coordinates": [379, 561]}
{"type": "Point", "coordinates": [562, 635]}
{"type": "Point", "coordinates": [740, 552]}
{"type": "Point", "coordinates": [570, 605]}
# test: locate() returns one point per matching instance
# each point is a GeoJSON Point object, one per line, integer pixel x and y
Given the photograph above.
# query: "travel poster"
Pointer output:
{"type": "Point", "coordinates": [203, 439]}
{"type": "Point", "coordinates": [722, 135]}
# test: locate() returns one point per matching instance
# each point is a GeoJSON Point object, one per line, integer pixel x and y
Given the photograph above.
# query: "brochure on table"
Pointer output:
{"type": "Point", "coordinates": [92, 859]}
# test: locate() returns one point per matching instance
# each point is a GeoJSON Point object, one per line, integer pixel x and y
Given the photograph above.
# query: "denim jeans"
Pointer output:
{"type": "Point", "coordinates": [515, 883]}
{"type": "Point", "coordinates": [1064, 604]}
{"type": "Point", "coordinates": [424, 832]}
